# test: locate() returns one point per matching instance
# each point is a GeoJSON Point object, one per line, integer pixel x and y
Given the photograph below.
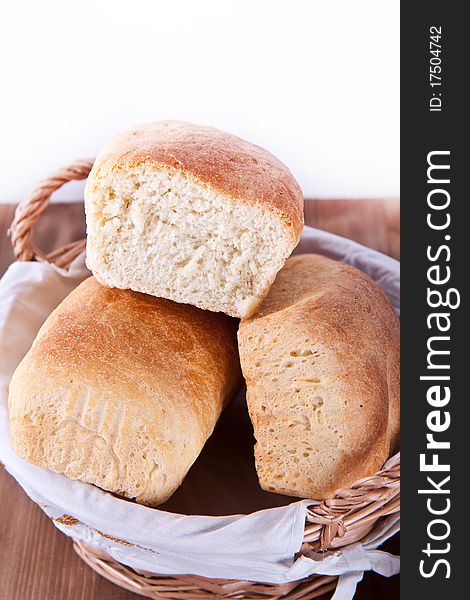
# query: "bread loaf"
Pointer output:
{"type": "Point", "coordinates": [321, 363]}
{"type": "Point", "coordinates": [192, 214]}
{"type": "Point", "coordinates": [122, 390]}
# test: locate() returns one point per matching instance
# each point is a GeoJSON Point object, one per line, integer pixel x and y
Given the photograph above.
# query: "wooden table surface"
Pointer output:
{"type": "Point", "coordinates": [37, 562]}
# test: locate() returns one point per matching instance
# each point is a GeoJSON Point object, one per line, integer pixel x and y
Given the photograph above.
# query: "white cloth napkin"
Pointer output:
{"type": "Point", "coordinates": [260, 546]}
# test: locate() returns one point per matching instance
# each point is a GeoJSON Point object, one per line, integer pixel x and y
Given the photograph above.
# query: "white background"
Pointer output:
{"type": "Point", "coordinates": [314, 81]}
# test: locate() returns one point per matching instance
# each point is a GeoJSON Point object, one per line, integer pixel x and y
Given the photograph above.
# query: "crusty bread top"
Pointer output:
{"type": "Point", "coordinates": [217, 159]}
{"type": "Point", "coordinates": [311, 276]}
{"type": "Point", "coordinates": [325, 333]}
{"type": "Point", "coordinates": [116, 335]}
{"type": "Point", "coordinates": [122, 390]}
{"type": "Point", "coordinates": [347, 312]}
{"type": "Point", "coordinates": [341, 306]}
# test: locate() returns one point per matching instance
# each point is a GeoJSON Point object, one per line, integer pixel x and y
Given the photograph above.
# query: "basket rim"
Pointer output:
{"type": "Point", "coordinates": [152, 584]}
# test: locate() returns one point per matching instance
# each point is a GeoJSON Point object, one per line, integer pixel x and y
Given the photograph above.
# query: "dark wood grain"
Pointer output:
{"type": "Point", "coordinates": [36, 560]}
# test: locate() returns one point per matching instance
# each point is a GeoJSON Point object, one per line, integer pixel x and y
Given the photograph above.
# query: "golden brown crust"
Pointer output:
{"type": "Point", "coordinates": [221, 161]}
{"type": "Point", "coordinates": [321, 360]}
{"type": "Point", "coordinates": [122, 390]}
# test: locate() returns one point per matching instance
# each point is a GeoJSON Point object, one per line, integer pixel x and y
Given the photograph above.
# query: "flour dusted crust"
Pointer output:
{"type": "Point", "coordinates": [122, 390]}
{"type": "Point", "coordinates": [321, 362]}
{"type": "Point", "coordinates": [192, 214]}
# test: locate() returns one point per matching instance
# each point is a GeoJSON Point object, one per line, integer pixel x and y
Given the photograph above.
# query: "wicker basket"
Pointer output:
{"type": "Point", "coordinates": [342, 520]}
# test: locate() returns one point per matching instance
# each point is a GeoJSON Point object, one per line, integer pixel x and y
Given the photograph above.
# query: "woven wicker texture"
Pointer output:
{"type": "Point", "coordinates": [344, 519]}
{"type": "Point", "coordinates": [189, 587]}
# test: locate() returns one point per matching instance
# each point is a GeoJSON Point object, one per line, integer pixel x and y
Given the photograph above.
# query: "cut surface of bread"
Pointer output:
{"type": "Point", "coordinates": [122, 390]}
{"type": "Point", "coordinates": [191, 214]}
{"type": "Point", "coordinates": [321, 363]}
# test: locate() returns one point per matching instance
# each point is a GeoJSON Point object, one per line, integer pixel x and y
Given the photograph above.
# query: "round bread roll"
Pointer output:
{"type": "Point", "coordinates": [192, 214]}
{"type": "Point", "coordinates": [321, 363]}
{"type": "Point", "coordinates": [122, 390]}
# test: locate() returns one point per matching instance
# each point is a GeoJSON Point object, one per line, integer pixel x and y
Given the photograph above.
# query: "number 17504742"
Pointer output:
{"type": "Point", "coordinates": [435, 68]}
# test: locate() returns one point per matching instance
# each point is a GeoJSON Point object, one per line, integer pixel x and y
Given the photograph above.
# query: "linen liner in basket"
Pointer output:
{"type": "Point", "coordinates": [272, 546]}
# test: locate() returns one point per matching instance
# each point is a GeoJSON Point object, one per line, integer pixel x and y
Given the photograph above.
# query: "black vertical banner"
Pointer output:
{"type": "Point", "coordinates": [435, 321]}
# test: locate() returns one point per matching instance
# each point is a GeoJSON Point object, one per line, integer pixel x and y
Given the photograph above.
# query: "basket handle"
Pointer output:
{"type": "Point", "coordinates": [29, 210]}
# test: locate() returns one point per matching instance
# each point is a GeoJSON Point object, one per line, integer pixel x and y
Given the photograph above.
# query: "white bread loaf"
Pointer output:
{"type": "Point", "coordinates": [321, 363]}
{"type": "Point", "coordinates": [192, 214]}
{"type": "Point", "coordinates": [122, 390]}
